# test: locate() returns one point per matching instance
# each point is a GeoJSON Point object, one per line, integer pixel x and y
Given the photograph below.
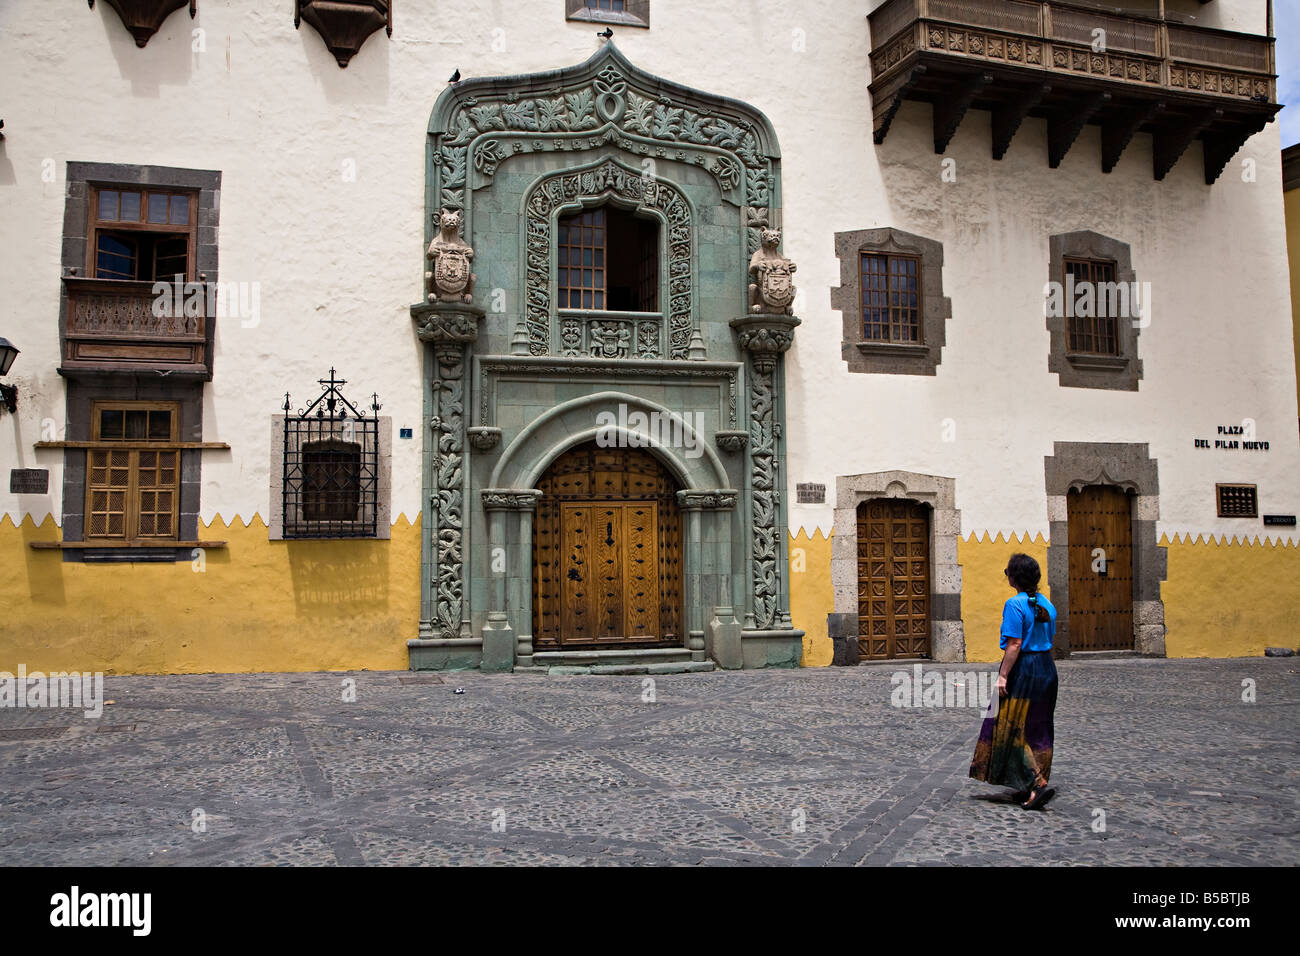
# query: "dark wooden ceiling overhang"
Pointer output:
{"type": "Point", "coordinates": [957, 67]}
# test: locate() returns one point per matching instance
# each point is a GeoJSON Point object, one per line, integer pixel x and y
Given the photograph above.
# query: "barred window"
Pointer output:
{"type": "Point", "coordinates": [329, 482]}
{"type": "Point", "coordinates": [132, 492]}
{"type": "Point", "coordinates": [891, 298]}
{"type": "Point", "coordinates": [1095, 332]}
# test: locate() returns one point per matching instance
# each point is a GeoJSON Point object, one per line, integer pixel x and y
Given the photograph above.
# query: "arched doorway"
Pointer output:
{"type": "Point", "coordinates": [607, 543]}
{"type": "Point", "coordinates": [893, 579]}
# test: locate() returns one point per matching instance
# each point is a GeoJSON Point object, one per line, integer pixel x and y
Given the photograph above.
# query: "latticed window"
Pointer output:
{"type": "Point", "coordinates": [1095, 331]}
{"type": "Point", "coordinates": [613, 6]}
{"type": "Point", "coordinates": [132, 492]}
{"type": "Point", "coordinates": [331, 467]}
{"type": "Point", "coordinates": [141, 234]}
{"type": "Point", "coordinates": [608, 259]}
{"type": "Point", "coordinates": [891, 298]}
{"type": "Point", "coordinates": [331, 480]}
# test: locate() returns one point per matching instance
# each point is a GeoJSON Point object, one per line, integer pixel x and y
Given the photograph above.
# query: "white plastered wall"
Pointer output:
{"type": "Point", "coordinates": [339, 261]}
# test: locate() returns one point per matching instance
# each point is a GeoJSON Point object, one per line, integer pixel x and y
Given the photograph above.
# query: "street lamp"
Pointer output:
{"type": "Point", "coordinates": [8, 393]}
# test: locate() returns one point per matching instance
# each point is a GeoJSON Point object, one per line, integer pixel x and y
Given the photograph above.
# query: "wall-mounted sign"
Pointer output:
{"type": "Point", "coordinates": [1233, 438]}
{"type": "Point", "coordinates": [810, 494]}
{"type": "Point", "coordinates": [1280, 519]}
{"type": "Point", "coordinates": [405, 433]}
{"type": "Point", "coordinates": [29, 481]}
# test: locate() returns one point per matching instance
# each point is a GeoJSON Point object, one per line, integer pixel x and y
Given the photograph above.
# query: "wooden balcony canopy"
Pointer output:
{"type": "Point", "coordinates": [1020, 58]}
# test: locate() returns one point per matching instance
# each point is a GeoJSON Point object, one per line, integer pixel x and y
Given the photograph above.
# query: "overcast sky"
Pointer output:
{"type": "Point", "coordinates": [1286, 23]}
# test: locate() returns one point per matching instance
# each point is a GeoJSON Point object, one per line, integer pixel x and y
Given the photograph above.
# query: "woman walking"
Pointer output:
{"type": "Point", "coordinates": [1015, 746]}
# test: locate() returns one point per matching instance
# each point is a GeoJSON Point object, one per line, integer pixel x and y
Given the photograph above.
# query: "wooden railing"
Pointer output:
{"type": "Point", "coordinates": [1144, 50]}
{"type": "Point", "coordinates": [114, 325]}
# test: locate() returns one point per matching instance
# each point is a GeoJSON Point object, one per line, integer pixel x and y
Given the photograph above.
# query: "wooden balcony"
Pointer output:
{"type": "Point", "coordinates": [119, 326]}
{"type": "Point", "coordinates": [1019, 58]}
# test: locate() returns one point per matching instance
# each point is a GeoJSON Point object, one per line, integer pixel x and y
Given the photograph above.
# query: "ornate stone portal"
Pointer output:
{"type": "Point", "coordinates": [515, 383]}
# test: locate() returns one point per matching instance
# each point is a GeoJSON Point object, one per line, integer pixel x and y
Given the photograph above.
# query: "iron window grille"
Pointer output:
{"type": "Point", "coordinates": [331, 466]}
{"type": "Point", "coordinates": [1237, 501]}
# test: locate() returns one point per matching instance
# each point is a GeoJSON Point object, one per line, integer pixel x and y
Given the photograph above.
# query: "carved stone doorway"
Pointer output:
{"type": "Point", "coordinates": [607, 552]}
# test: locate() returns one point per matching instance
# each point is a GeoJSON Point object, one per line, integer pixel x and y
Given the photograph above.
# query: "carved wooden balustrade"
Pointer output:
{"type": "Point", "coordinates": [121, 326]}
{"type": "Point", "coordinates": [1073, 65]}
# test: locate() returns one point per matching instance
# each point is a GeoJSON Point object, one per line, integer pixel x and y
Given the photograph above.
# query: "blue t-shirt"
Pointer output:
{"type": "Point", "coordinates": [1018, 622]}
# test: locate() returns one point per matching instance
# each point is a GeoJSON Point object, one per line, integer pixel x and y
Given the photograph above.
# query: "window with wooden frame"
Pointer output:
{"type": "Point", "coordinates": [141, 234]}
{"type": "Point", "coordinates": [133, 481]}
{"type": "Point", "coordinates": [331, 480]}
{"type": "Point", "coordinates": [1237, 501]}
{"type": "Point", "coordinates": [608, 260]}
{"type": "Point", "coordinates": [1097, 331]}
{"type": "Point", "coordinates": [891, 298]}
{"type": "Point", "coordinates": [629, 13]}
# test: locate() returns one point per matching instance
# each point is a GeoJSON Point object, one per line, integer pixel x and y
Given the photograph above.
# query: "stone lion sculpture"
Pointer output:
{"type": "Point", "coordinates": [449, 278]}
{"type": "Point", "coordinates": [772, 287]}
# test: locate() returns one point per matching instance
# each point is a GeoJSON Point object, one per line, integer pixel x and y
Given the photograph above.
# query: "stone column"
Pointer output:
{"type": "Point", "coordinates": [448, 328]}
{"type": "Point", "coordinates": [708, 514]}
{"type": "Point", "coordinates": [765, 337]}
{"type": "Point", "coordinates": [510, 517]}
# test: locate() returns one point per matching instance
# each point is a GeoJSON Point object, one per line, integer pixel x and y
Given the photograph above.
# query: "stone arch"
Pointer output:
{"type": "Point", "coordinates": [575, 421]}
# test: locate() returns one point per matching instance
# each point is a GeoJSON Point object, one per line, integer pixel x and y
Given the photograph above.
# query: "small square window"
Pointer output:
{"type": "Point", "coordinates": [1237, 501]}
{"type": "Point", "coordinates": [628, 13]}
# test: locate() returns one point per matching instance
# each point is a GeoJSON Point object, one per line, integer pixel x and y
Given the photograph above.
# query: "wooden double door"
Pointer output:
{"type": "Point", "coordinates": [1100, 522]}
{"type": "Point", "coordinates": [893, 579]}
{"type": "Point", "coordinates": [607, 552]}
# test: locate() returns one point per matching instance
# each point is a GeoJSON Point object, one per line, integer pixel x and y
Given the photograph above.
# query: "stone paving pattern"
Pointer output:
{"type": "Point", "coordinates": [585, 772]}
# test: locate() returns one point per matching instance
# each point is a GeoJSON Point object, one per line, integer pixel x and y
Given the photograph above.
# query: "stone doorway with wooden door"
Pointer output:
{"type": "Point", "coordinates": [1100, 519]}
{"type": "Point", "coordinates": [607, 552]}
{"type": "Point", "coordinates": [893, 579]}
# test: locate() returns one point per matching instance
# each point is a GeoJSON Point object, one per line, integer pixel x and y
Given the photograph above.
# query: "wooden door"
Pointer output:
{"type": "Point", "coordinates": [1101, 569]}
{"type": "Point", "coordinates": [606, 552]}
{"type": "Point", "coordinates": [893, 579]}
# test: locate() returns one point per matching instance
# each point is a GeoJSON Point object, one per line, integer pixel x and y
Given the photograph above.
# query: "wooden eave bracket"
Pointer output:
{"type": "Point", "coordinates": [949, 111]}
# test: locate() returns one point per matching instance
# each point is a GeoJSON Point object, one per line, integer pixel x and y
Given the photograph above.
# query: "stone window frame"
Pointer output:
{"type": "Point", "coordinates": [891, 358]}
{"type": "Point", "coordinates": [1081, 370]}
{"type": "Point", "coordinates": [636, 13]}
{"type": "Point", "coordinates": [85, 388]}
{"type": "Point", "coordinates": [1130, 468]}
{"type": "Point", "coordinates": [383, 489]}
{"type": "Point", "coordinates": [947, 632]}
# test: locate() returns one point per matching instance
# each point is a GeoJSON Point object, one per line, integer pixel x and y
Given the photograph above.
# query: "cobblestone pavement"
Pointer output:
{"type": "Point", "coordinates": [722, 768]}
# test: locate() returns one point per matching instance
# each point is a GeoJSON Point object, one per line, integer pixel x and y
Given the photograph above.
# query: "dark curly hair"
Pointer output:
{"type": "Point", "coordinates": [1024, 573]}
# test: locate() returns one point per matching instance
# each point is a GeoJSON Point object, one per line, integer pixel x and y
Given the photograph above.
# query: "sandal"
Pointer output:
{"type": "Point", "coordinates": [1040, 798]}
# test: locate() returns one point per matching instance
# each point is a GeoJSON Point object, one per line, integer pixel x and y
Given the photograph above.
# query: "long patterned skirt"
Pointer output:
{"type": "Point", "coordinates": [1017, 742]}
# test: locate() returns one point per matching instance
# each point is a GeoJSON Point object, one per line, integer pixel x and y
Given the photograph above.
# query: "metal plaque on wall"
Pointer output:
{"type": "Point", "coordinates": [29, 481]}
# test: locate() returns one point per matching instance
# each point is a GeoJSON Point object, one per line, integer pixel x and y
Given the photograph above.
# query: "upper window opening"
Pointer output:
{"type": "Point", "coordinates": [1096, 330]}
{"type": "Point", "coordinates": [608, 261]}
{"type": "Point", "coordinates": [142, 234]}
{"type": "Point", "coordinates": [891, 298]}
{"type": "Point", "coordinates": [331, 485]}
{"type": "Point", "coordinates": [628, 13]}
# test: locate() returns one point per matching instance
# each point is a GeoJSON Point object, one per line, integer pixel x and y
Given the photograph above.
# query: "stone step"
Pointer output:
{"type": "Point", "coordinates": [625, 656]}
{"type": "Point", "coordinates": [664, 667]}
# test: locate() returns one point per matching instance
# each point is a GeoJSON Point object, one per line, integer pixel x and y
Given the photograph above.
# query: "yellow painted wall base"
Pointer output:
{"type": "Point", "coordinates": [261, 605]}
{"type": "Point", "coordinates": [1221, 599]}
{"type": "Point", "coordinates": [811, 597]}
{"type": "Point", "coordinates": [1230, 600]}
{"type": "Point", "coordinates": [257, 605]}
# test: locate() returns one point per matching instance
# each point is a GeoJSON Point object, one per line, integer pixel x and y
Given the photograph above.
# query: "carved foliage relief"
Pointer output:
{"type": "Point", "coordinates": [607, 338]}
